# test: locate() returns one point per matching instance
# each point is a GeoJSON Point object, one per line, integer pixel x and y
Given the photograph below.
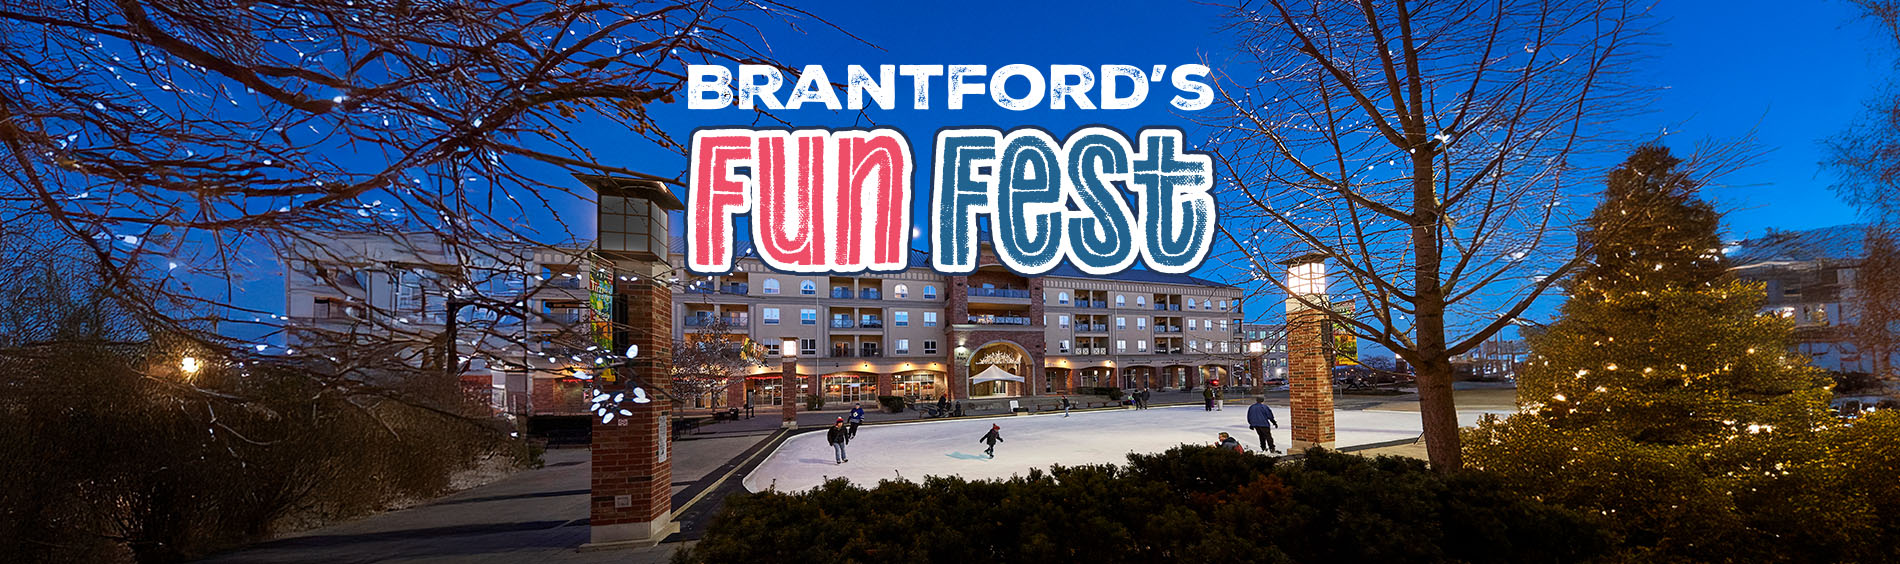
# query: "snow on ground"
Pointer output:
{"type": "Point", "coordinates": [914, 450]}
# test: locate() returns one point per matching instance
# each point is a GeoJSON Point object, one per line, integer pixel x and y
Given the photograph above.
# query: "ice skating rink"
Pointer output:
{"type": "Point", "coordinates": [940, 448]}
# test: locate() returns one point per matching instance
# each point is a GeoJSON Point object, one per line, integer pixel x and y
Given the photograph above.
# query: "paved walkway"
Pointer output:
{"type": "Point", "coordinates": [534, 516]}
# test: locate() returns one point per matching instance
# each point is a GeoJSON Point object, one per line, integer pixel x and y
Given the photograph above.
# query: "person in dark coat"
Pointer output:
{"type": "Point", "coordinates": [1065, 405]}
{"type": "Point", "coordinates": [1207, 393]}
{"type": "Point", "coordinates": [857, 418]}
{"type": "Point", "coordinates": [943, 406]}
{"type": "Point", "coordinates": [1226, 441]}
{"type": "Point", "coordinates": [994, 436]}
{"type": "Point", "coordinates": [1259, 416]}
{"type": "Point", "coordinates": [838, 436]}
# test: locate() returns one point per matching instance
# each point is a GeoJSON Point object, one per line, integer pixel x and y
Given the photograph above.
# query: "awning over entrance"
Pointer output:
{"type": "Point", "coordinates": [994, 374]}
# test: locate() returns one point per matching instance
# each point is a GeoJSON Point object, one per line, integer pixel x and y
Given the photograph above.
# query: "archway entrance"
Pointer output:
{"type": "Point", "coordinates": [999, 370]}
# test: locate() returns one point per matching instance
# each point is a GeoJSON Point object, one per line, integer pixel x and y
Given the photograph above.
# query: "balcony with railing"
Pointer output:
{"type": "Point", "coordinates": [565, 280]}
{"type": "Point", "coordinates": [871, 323]}
{"type": "Point", "coordinates": [987, 319]}
{"type": "Point", "coordinates": [870, 294]}
{"type": "Point", "coordinates": [841, 293]}
{"type": "Point", "coordinates": [735, 289]}
{"type": "Point", "coordinates": [712, 321]}
{"type": "Point", "coordinates": [567, 316]}
{"type": "Point", "coordinates": [843, 324]}
{"type": "Point", "coordinates": [1091, 328]}
{"type": "Point", "coordinates": [1166, 329]}
{"type": "Point", "coordinates": [1011, 293]}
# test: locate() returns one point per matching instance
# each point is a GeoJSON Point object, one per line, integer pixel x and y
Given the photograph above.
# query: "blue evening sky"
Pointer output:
{"type": "Point", "coordinates": [1796, 75]}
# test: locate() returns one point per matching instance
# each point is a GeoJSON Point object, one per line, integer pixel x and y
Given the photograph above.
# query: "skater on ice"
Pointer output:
{"type": "Point", "coordinates": [1065, 405]}
{"type": "Point", "coordinates": [1207, 394]}
{"type": "Point", "coordinates": [837, 436]}
{"type": "Point", "coordinates": [994, 436]}
{"type": "Point", "coordinates": [1259, 416]}
{"type": "Point", "coordinates": [857, 418]}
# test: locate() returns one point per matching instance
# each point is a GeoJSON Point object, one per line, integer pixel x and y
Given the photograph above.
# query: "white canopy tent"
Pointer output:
{"type": "Point", "coordinates": [994, 374]}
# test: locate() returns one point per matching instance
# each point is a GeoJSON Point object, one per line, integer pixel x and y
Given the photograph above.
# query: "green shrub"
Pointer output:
{"type": "Point", "coordinates": [814, 402]}
{"type": "Point", "coordinates": [893, 404]}
{"type": "Point", "coordinates": [1109, 392]}
{"type": "Point", "coordinates": [1191, 503]}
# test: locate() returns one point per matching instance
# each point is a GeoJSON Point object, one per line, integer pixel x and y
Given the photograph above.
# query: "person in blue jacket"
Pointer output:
{"type": "Point", "coordinates": [857, 418]}
{"type": "Point", "coordinates": [1259, 416]}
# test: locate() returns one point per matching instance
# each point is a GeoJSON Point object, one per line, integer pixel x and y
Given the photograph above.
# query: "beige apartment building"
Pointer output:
{"type": "Point", "coordinates": [991, 334]}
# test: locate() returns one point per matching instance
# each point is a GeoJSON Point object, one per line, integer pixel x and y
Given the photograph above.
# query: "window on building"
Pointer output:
{"type": "Point", "coordinates": [1141, 345]}
{"type": "Point", "coordinates": [901, 290]}
{"type": "Point", "coordinates": [1140, 301]}
{"type": "Point", "coordinates": [807, 288]}
{"type": "Point", "coordinates": [930, 347]}
{"type": "Point", "coordinates": [1141, 323]}
{"type": "Point", "coordinates": [1121, 346]}
{"type": "Point", "coordinates": [1194, 345]}
{"type": "Point", "coordinates": [1121, 322]}
{"type": "Point", "coordinates": [808, 347]}
{"type": "Point", "coordinates": [1192, 323]}
{"type": "Point", "coordinates": [771, 350]}
{"type": "Point", "coordinates": [930, 292]}
{"type": "Point", "coordinates": [1121, 301]}
{"type": "Point", "coordinates": [901, 318]}
{"type": "Point", "coordinates": [1062, 298]}
{"type": "Point", "coordinates": [903, 346]}
{"type": "Point", "coordinates": [1190, 303]}
{"type": "Point", "coordinates": [1223, 325]}
{"type": "Point", "coordinates": [1062, 321]}
{"type": "Point", "coordinates": [930, 319]}
{"type": "Point", "coordinates": [1223, 346]}
{"type": "Point", "coordinates": [808, 316]}
{"type": "Point", "coordinates": [1062, 346]}
{"type": "Point", "coordinates": [771, 316]}
{"type": "Point", "coordinates": [771, 285]}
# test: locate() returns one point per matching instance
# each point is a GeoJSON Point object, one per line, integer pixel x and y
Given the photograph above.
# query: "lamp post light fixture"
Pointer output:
{"type": "Point", "coordinates": [189, 366]}
{"type": "Point", "coordinates": [632, 470]}
{"type": "Point", "coordinates": [1310, 377]}
{"type": "Point", "coordinates": [788, 383]}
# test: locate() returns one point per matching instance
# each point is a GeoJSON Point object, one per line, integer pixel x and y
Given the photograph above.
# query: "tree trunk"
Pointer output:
{"type": "Point", "coordinates": [1437, 414]}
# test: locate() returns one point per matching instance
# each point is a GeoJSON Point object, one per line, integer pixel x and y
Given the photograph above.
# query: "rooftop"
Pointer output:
{"type": "Point", "coordinates": [1836, 243]}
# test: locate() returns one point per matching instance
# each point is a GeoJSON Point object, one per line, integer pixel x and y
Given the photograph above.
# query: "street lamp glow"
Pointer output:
{"type": "Point", "coordinates": [1306, 279]}
{"type": "Point", "coordinates": [788, 348]}
{"type": "Point", "coordinates": [1256, 347]}
{"type": "Point", "coordinates": [189, 365]}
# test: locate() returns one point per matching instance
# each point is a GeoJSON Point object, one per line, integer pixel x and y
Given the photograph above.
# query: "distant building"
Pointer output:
{"type": "Point", "coordinates": [1271, 341]}
{"type": "Point", "coordinates": [921, 334]}
{"type": "Point", "coordinates": [371, 301]}
{"type": "Point", "coordinates": [1811, 279]}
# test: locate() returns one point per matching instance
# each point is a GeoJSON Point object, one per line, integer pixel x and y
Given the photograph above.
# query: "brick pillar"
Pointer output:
{"type": "Point", "coordinates": [1257, 369]}
{"type": "Point", "coordinates": [632, 473]}
{"type": "Point", "coordinates": [884, 384]}
{"type": "Point", "coordinates": [1310, 376]}
{"type": "Point", "coordinates": [788, 393]}
{"type": "Point", "coordinates": [735, 393]}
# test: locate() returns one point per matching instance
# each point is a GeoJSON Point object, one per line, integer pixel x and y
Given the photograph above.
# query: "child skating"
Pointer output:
{"type": "Point", "coordinates": [994, 436]}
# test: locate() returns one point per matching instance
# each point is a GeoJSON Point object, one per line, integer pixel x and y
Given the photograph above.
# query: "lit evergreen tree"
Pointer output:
{"type": "Point", "coordinates": [1663, 398]}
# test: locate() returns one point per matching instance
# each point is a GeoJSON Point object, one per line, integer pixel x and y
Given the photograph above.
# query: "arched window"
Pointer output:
{"type": "Point", "coordinates": [807, 288]}
{"type": "Point", "coordinates": [771, 285]}
{"type": "Point", "coordinates": [1190, 303]}
{"type": "Point", "coordinates": [1062, 298]}
{"type": "Point", "coordinates": [1119, 302]}
{"type": "Point", "coordinates": [902, 291]}
{"type": "Point", "coordinates": [1140, 301]}
{"type": "Point", "coordinates": [930, 292]}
